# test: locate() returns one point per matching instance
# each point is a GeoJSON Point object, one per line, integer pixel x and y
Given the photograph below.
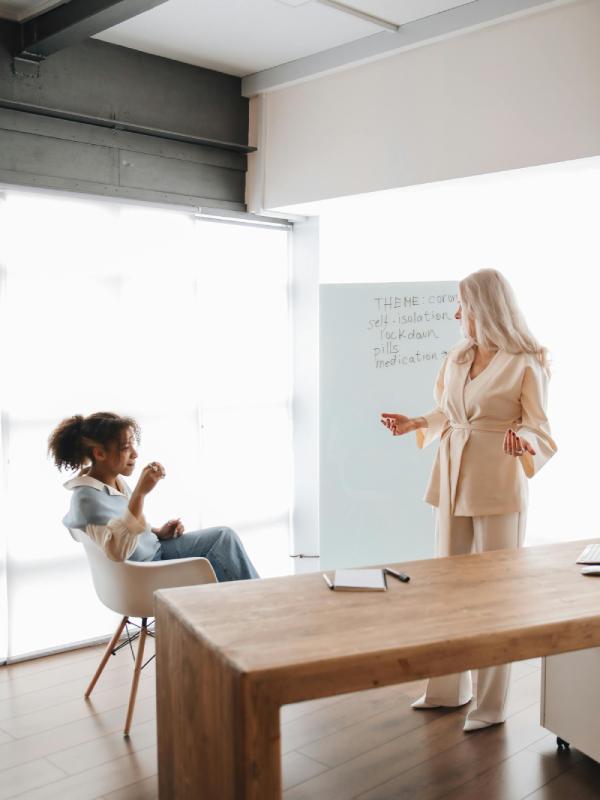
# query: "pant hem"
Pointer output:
{"type": "Point", "coordinates": [445, 704]}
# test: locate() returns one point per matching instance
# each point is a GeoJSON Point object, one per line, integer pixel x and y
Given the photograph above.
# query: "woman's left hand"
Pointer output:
{"type": "Point", "coordinates": [516, 446]}
{"type": "Point", "coordinates": [170, 530]}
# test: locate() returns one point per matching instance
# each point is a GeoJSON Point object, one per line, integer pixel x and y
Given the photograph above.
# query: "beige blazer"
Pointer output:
{"type": "Point", "coordinates": [471, 475]}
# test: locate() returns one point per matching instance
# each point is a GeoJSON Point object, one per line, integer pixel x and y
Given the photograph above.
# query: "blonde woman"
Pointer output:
{"type": "Point", "coordinates": [490, 416]}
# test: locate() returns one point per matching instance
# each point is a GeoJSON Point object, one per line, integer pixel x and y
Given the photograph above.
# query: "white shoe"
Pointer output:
{"type": "Point", "coordinates": [477, 725]}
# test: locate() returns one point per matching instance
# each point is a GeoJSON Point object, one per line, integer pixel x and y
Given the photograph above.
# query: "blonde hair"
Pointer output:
{"type": "Point", "coordinates": [497, 323]}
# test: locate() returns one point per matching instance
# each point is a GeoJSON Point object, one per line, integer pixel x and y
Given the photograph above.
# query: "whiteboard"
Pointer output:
{"type": "Point", "coordinates": [381, 346]}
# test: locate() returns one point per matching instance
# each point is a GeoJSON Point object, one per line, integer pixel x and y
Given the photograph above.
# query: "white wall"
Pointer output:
{"type": "Point", "coordinates": [519, 93]}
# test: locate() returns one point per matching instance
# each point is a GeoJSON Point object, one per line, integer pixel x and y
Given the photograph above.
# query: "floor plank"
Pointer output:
{"type": "Point", "coordinates": [520, 774]}
{"type": "Point", "coordinates": [581, 782]}
{"type": "Point", "coordinates": [27, 776]}
{"type": "Point", "coordinates": [101, 700]}
{"type": "Point", "coordinates": [297, 768]}
{"type": "Point", "coordinates": [90, 785]}
{"type": "Point", "coordinates": [291, 712]}
{"type": "Point", "coordinates": [141, 790]}
{"type": "Point", "coordinates": [332, 718]}
{"type": "Point", "coordinates": [382, 763]}
{"type": "Point", "coordinates": [5, 737]}
{"type": "Point", "coordinates": [368, 734]}
{"type": "Point", "coordinates": [48, 697]}
{"type": "Point", "coordinates": [87, 729]}
{"type": "Point", "coordinates": [515, 777]}
{"type": "Point", "coordinates": [106, 748]}
{"type": "Point", "coordinates": [476, 753]}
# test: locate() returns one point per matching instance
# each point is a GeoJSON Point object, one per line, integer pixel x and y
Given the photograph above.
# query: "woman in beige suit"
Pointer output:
{"type": "Point", "coordinates": [490, 416]}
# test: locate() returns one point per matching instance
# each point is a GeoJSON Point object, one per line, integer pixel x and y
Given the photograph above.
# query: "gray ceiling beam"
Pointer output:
{"type": "Point", "coordinates": [119, 125]}
{"type": "Point", "coordinates": [73, 22]}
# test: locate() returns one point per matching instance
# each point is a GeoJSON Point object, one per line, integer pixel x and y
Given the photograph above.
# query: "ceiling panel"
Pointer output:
{"type": "Point", "coordinates": [238, 36]}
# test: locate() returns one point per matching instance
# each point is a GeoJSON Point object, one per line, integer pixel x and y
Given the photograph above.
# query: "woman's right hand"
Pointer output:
{"type": "Point", "coordinates": [398, 424]}
{"type": "Point", "coordinates": [151, 475]}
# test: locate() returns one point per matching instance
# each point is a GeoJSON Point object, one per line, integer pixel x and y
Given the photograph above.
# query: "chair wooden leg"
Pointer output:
{"type": "Point", "coordinates": [136, 675]}
{"type": "Point", "coordinates": [107, 654]}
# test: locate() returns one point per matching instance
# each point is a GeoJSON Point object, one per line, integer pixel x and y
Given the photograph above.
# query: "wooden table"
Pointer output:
{"type": "Point", "coordinates": [230, 655]}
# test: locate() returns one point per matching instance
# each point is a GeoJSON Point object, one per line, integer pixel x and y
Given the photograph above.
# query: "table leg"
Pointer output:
{"type": "Point", "coordinates": [218, 733]}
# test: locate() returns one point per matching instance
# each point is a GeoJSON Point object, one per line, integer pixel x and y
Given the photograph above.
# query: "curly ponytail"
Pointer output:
{"type": "Point", "coordinates": [71, 443]}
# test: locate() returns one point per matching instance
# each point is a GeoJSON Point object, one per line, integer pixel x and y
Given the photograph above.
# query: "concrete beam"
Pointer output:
{"type": "Point", "coordinates": [120, 125]}
{"type": "Point", "coordinates": [73, 22]}
{"type": "Point", "coordinates": [160, 130]}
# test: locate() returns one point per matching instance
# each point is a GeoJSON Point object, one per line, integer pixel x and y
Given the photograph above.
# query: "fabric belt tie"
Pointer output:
{"type": "Point", "coordinates": [454, 438]}
{"type": "Point", "coordinates": [485, 427]}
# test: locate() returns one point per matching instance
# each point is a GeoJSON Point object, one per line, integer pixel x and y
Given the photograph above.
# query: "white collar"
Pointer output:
{"type": "Point", "coordinates": [83, 479]}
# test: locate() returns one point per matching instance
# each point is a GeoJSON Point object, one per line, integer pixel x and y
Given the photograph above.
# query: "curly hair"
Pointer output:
{"type": "Point", "coordinates": [71, 443]}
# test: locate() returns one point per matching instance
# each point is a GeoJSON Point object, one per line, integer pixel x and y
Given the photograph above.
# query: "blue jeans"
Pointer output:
{"type": "Point", "coordinates": [221, 546]}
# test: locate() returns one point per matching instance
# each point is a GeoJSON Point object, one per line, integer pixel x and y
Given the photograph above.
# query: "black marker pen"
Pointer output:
{"type": "Point", "coordinates": [401, 576]}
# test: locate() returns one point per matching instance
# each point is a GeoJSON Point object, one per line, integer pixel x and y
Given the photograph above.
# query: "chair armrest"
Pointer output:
{"type": "Point", "coordinates": [172, 573]}
{"type": "Point", "coordinates": [130, 589]}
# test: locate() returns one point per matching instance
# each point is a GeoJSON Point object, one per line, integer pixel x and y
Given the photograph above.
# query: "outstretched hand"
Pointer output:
{"type": "Point", "coordinates": [398, 424]}
{"type": "Point", "coordinates": [170, 530]}
{"type": "Point", "coordinates": [515, 445]}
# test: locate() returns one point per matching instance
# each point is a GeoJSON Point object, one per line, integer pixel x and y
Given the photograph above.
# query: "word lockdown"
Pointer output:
{"type": "Point", "coordinates": [411, 335]}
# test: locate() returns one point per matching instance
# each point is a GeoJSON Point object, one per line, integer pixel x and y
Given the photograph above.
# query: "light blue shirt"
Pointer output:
{"type": "Point", "coordinates": [102, 512]}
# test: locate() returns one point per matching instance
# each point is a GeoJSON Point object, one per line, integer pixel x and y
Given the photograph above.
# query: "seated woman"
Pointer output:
{"type": "Point", "coordinates": [102, 447]}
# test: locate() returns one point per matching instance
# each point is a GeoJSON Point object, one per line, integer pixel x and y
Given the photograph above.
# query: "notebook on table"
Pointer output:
{"type": "Point", "coordinates": [359, 580]}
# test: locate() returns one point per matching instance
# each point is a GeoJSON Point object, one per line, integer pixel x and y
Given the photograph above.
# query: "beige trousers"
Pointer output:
{"type": "Point", "coordinates": [477, 535]}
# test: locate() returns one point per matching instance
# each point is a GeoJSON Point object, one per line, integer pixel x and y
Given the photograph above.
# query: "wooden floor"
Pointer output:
{"type": "Point", "coordinates": [372, 745]}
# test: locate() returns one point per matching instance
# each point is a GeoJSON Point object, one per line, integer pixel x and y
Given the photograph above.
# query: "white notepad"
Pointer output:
{"type": "Point", "coordinates": [360, 580]}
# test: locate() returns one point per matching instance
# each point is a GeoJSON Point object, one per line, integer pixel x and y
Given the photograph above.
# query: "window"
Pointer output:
{"type": "Point", "coordinates": [177, 321]}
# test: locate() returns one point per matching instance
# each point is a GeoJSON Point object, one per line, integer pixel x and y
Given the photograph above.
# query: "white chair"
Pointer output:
{"type": "Point", "coordinates": [127, 587]}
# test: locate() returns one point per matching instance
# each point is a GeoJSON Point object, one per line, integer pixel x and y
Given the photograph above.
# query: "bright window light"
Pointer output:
{"type": "Point", "coordinates": [180, 322]}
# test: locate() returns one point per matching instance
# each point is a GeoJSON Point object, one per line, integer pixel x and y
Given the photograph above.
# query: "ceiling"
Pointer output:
{"type": "Point", "coordinates": [271, 43]}
{"type": "Point", "coordinates": [242, 37]}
